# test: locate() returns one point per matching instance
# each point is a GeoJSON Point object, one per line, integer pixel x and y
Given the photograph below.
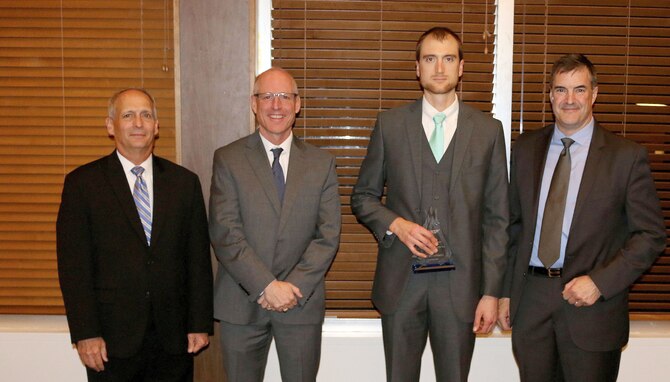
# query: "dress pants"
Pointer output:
{"type": "Point", "coordinates": [425, 309]}
{"type": "Point", "coordinates": [150, 364]}
{"type": "Point", "coordinates": [542, 343]}
{"type": "Point", "coordinates": [246, 347]}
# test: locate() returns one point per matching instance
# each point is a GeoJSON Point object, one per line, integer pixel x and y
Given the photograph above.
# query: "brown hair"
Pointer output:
{"type": "Point", "coordinates": [440, 34]}
{"type": "Point", "coordinates": [570, 62]}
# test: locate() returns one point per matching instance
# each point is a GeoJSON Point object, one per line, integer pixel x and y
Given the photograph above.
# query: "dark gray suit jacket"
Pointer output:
{"type": "Point", "coordinates": [478, 214]}
{"type": "Point", "coordinates": [113, 284]}
{"type": "Point", "coordinates": [616, 234]}
{"type": "Point", "coordinates": [257, 239]}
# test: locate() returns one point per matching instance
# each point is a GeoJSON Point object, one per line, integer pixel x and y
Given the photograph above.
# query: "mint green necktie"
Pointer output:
{"type": "Point", "coordinates": [437, 139]}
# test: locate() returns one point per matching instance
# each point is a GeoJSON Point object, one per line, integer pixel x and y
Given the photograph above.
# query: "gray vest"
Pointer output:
{"type": "Point", "coordinates": [435, 182]}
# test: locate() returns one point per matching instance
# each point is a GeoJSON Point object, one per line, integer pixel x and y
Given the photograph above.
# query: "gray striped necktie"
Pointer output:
{"type": "Point", "coordinates": [141, 197]}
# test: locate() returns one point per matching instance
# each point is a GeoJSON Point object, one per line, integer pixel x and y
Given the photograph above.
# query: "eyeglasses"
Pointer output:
{"type": "Point", "coordinates": [269, 97]}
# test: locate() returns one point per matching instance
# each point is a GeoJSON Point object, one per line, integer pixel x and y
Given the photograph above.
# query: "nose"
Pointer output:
{"type": "Point", "coordinates": [137, 121]}
{"type": "Point", "coordinates": [571, 97]}
{"type": "Point", "coordinates": [276, 103]}
{"type": "Point", "coordinates": [439, 66]}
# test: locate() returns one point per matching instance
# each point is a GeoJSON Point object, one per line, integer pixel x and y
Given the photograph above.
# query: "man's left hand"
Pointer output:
{"type": "Point", "coordinates": [485, 315]}
{"type": "Point", "coordinates": [581, 291]}
{"type": "Point", "coordinates": [197, 341]}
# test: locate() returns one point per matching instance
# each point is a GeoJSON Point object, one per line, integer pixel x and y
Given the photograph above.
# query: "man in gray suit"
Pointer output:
{"type": "Point", "coordinates": [275, 228]}
{"type": "Point", "coordinates": [573, 254]}
{"type": "Point", "coordinates": [435, 153]}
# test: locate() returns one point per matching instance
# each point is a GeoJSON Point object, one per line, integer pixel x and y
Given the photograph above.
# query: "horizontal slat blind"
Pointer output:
{"type": "Point", "coordinates": [352, 59]}
{"type": "Point", "coordinates": [58, 67]}
{"type": "Point", "coordinates": [629, 42]}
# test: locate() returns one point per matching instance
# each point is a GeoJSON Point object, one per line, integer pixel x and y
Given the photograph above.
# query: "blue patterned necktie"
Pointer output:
{"type": "Point", "coordinates": [278, 173]}
{"type": "Point", "coordinates": [437, 138]}
{"type": "Point", "coordinates": [141, 197]}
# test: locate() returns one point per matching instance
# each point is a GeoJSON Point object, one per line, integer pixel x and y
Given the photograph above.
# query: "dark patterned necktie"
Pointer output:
{"type": "Point", "coordinates": [549, 249]}
{"type": "Point", "coordinates": [278, 173]}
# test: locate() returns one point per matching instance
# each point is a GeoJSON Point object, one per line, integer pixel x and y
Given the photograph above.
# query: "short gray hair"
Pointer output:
{"type": "Point", "coordinates": [111, 104]}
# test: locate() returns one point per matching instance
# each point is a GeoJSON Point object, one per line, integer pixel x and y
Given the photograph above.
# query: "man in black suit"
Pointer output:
{"type": "Point", "coordinates": [585, 223]}
{"type": "Point", "coordinates": [133, 255]}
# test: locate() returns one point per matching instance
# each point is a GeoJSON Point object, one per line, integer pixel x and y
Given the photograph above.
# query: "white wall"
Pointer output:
{"type": "Point", "coordinates": [37, 348]}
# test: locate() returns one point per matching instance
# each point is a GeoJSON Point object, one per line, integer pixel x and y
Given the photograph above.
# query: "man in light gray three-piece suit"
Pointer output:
{"type": "Point", "coordinates": [435, 154]}
{"type": "Point", "coordinates": [275, 228]}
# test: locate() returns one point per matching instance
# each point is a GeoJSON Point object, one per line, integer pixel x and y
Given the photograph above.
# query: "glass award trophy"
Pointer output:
{"type": "Point", "coordinates": [443, 260]}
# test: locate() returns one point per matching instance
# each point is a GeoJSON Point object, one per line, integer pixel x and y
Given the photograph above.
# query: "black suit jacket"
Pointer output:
{"type": "Point", "coordinates": [113, 284]}
{"type": "Point", "coordinates": [616, 234]}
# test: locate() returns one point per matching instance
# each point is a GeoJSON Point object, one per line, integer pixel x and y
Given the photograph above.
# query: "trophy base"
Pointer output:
{"type": "Point", "coordinates": [426, 268]}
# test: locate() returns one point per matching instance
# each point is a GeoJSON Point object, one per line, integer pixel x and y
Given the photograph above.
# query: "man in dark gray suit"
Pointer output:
{"type": "Point", "coordinates": [275, 228]}
{"type": "Point", "coordinates": [574, 253]}
{"type": "Point", "coordinates": [435, 153]}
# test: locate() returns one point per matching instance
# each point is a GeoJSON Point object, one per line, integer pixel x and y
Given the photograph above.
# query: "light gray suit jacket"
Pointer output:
{"type": "Point", "coordinates": [257, 239]}
{"type": "Point", "coordinates": [477, 196]}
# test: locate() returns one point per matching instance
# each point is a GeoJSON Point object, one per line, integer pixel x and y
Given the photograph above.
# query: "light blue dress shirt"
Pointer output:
{"type": "Point", "coordinates": [578, 154]}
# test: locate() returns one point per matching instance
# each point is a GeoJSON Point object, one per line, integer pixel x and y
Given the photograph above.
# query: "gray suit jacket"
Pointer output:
{"type": "Point", "coordinates": [478, 214]}
{"type": "Point", "coordinates": [257, 239]}
{"type": "Point", "coordinates": [617, 230]}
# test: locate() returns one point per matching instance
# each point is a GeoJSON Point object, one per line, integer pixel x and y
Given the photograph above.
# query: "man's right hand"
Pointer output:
{"type": "Point", "coordinates": [415, 237]}
{"type": "Point", "coordinates": [503, 314]}
{"type": "Point", "coordinates": [92, 352]}
{"type": "Point", "coordinates": [280, 296]}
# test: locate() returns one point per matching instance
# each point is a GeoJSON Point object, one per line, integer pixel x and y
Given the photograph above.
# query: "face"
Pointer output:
{"type": "Point", "coordinates": [439, 68]}
{"type": "Point", "coordinates": [275, 116]}
{"type": "Point", "coordinates": [572, 97]}
{"type": "Point", "coordinates": [134, 127]}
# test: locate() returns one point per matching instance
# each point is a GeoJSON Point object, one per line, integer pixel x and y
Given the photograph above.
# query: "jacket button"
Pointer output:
{"type": "Point", "coordinates": [148, 294]}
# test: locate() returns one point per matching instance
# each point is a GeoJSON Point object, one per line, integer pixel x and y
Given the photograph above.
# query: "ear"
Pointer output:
{"type": "Point", "coordinates": [595, 95]}
{"type": "Point", "coordinates": [110, 126]}
{"type": "Point", "coordinates": [418, 70]}
{"type": "Point", "coordinates": [297, 104]}
{"type": "Point", "coordinates": [460, 68]}
{"type": "Point", "coordinates": [254, 103]}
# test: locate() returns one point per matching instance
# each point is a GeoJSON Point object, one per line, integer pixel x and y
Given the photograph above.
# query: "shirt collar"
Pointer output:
{"type": "Point", "coordinates": [286, 145]}
{"type": "Point", "coordinates": [128, 165]}
{"type": "Point", "coordinates": [582, 137]}
{"type": "Point", "coordinates": [429, 111]}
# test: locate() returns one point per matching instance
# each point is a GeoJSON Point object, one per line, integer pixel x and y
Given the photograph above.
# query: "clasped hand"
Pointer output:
{"type": "Point", "coordinates": [279, 296]}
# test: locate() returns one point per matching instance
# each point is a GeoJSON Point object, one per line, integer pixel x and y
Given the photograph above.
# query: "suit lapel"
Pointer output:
{"type": "Point", "coordinates": [461, 142]}
{"type": "Point", "coordinates": [415, 133]}
{"type": "Point", "coordinates": [297, 167]}
{"type": "Point", "coordinates": [591, 170]}
{"type": "Point", "coordinates": [161, 198]}
{"type": "Point", "coordinates": [540, 150]}
{"type": "Point", "coordinates": [119, 185]}
{"type": "Point", "coordinates": [258, 160]}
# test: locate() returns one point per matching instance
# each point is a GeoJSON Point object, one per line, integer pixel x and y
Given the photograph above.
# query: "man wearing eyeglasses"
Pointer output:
{"type": "Point", "coordinates": [275, 227]}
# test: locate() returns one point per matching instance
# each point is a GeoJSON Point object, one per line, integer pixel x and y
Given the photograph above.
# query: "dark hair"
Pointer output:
{"type": "Point", "coordinates": [440, 34]}
{"type": "Point", "coordinates": [570, 62]}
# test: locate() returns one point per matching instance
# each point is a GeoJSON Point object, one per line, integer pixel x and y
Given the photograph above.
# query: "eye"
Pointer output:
{"type": "Point", "coordinates": [266, 96]}
{"type": "Point", "coordinates": [450, 59]}
{"type": "Point", "coordinates": [147, 115]}
{"type": "Point", "coordinates": [580, 91]}
{"type": "Point", "coordinates": [429, 59]}
{"type": "Point", "coordinates": [559, 90]}
{"type": "Point", "coordinates": [127, 116]}
{"type": "Point", "coordinates": [285, 96]}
